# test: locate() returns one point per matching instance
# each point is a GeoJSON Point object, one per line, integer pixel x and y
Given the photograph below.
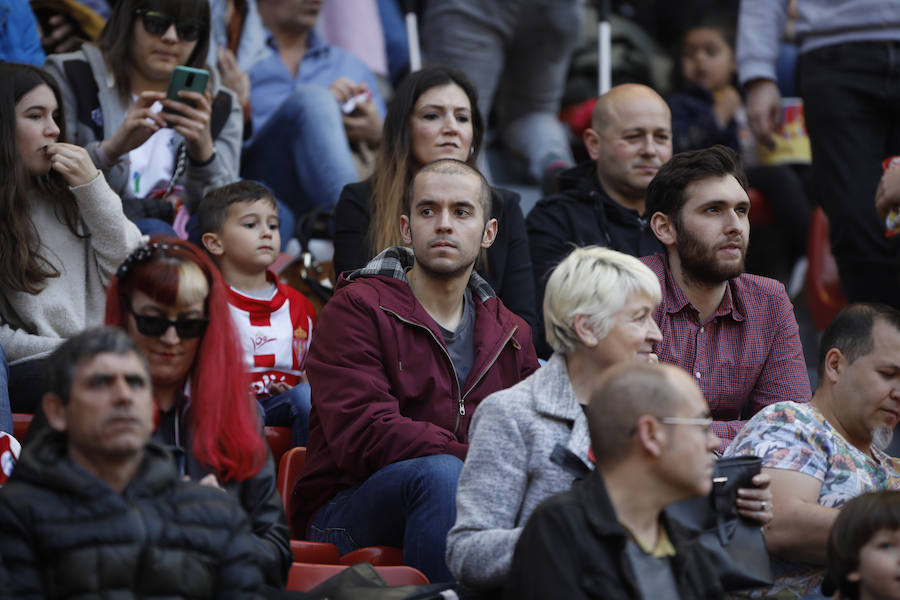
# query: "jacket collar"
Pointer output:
{"type": "Point", "coordinates": [395, 261]}
{"type": "Point", "coordinates": [555, 398]}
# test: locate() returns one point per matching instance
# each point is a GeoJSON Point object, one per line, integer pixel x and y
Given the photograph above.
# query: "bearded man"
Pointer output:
{"type": "Point", "coordinates": [734, 333]}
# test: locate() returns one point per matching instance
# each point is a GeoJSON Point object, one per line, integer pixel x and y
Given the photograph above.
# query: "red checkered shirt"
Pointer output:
{"type": "Point", "coordinates": [747, 355]}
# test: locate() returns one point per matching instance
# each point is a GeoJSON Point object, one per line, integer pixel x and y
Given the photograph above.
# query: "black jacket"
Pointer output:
{"type": "Point", "coordinates": [509, 263]}
{"type": "Point", "coordinates": [581, 214]}
{"type": "Point", "coordinates": [573, 547]}
{"type": "Point", "coordinates": [65, 533]}
{"type": "Point", "coordinates": [257, 495]}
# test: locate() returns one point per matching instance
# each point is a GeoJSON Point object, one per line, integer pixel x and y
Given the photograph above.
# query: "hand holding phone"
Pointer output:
{"type": "Point", "coordinates": [186, 78]}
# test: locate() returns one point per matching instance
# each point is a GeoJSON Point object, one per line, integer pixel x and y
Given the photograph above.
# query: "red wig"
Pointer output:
{"type": "Point", "coordinates": [223, 416]}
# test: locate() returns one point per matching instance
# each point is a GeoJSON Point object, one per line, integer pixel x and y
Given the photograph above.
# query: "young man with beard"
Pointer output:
{"type": "Point", "coordinates": [822, 454]}
{"type": "Point", "coordinates": [405, 350]}
{"type": "Point", "coordinates": [735, 333]}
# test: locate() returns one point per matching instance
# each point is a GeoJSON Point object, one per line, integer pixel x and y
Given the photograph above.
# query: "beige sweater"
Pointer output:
{"type": "Point", "coordinates": [32, 326]}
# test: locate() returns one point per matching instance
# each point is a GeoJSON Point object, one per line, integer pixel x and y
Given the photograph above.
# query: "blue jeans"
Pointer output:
{"type": "Point", "coordinates": [517, 53]}
{"type": "Point", "coordinates": [411, 503]}
{"type": "Point", "coordinates": [290, 409]}
{"type": "Point", "coordinates": [5, 412]}
{"type": "Point", "coordinates": [302, 152]}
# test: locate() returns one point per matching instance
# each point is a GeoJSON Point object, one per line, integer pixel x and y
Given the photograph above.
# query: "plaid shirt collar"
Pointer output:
{"type": "Point", "coordinates": [675, 299]}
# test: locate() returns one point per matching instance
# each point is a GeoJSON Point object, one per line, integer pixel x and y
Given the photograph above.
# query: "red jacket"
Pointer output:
{"type": "Point", "coordinates": [383, 386]}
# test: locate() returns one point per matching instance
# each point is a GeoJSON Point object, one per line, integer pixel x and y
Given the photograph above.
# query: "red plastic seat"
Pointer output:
{"type": "Point", "coordinates": [376, 555]}
{"type": "Point", "coordinates": [288, 471]}
{"type": "Point", "coordinates": [21, 422]}
{"type": "Point", "coordinates": [279, 440]}
{"type": "Point", "coordinates": [824, 294]}
{"type": "Point", "coordinates": [305, 576]}
{"type": "Point", "coordinates": [760, 210]}
{"type": "Point", "coordinates": [315, 552]}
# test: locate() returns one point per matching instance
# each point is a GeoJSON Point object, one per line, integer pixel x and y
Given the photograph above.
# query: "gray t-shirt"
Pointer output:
{"type": "Point", "coordinates": [461, 343]}
{"type": "Point", "coordinates": [653, 574]}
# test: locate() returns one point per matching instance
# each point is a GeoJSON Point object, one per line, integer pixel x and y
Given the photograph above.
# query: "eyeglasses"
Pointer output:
{"type": "Point", "coordinates": [157, 23]}
{"type": "Point", "coordinates": [705, 423]}
{"type": "Point", "coordinates": [156, 326]}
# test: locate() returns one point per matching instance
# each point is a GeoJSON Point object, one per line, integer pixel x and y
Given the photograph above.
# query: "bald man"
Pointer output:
{"type": "Point", "coordinates": [601, 201]}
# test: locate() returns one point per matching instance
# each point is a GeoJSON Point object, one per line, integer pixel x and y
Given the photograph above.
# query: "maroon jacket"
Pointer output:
{"type": "Point", "coordinates": [383, 386]}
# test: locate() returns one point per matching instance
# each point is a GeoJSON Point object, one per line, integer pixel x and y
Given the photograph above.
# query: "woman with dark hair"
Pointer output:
{"type": "Point", "coordinates": [170, 298]}
{"type": "Point", "coordinates": [433, 114]}
{"type": "Point", "coordinates": [62, 233]}
{"type": "Point", "coordinates": [114, 91]}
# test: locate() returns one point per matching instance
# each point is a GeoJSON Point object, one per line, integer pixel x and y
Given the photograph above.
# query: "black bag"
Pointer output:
{"type": "Point", "coordinates": [734, 544]}
{"type": "Point", "coordinates": [362, 582]}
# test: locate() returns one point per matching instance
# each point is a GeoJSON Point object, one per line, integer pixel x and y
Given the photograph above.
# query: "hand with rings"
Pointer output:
{"type": "Point", "coordinates": [756, 502]}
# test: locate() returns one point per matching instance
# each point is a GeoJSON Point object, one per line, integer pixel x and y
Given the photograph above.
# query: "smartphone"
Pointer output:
{"type": "Point", "coordinates": [186, 78]}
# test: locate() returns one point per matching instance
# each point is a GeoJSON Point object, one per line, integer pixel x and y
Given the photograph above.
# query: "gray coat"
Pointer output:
{"type": "Point", "coordinates": [508, 471]}
{"type": "Point", "coordinates": [223, 169]}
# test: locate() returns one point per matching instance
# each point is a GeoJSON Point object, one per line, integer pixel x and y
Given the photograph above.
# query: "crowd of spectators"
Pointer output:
{"type": "Point", "coordinates": [511, 397]}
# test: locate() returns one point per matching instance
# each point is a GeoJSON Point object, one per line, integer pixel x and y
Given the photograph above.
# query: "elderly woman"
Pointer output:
{"type": "Point", "coordinates": [530, 441]}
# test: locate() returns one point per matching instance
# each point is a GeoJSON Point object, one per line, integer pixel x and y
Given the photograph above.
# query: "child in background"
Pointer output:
{"type": "Point", "coordinates": [707, 109]}
{"type": "Point", "coordinates": [863, 561]}
{"type": "Point", "coordinates": [239, 228]}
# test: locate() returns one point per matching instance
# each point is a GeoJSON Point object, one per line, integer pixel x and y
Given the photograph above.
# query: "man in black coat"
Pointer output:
{"type": "Point", "coordinates": [601, 201]}
{"type": "Point", "coordinates": [608, 537]}
{"type": "Point", "coordinates": [94, 508]}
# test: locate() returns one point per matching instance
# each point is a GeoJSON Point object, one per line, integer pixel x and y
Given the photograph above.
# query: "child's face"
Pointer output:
{"type": "Point", "coordinates": [879, 567]}
{"type": "Point", "coordinates": [706, 59]}
{"type": "Point", "coordinates": [250, 237]}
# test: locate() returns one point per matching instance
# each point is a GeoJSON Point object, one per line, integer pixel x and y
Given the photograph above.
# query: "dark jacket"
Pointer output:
{"type": "Point", "coordinates": [509, 262]}
{"type": "Point", "coordinates": [383, 386]}
{"type": "Point", "coordinates": [65, 533]}
{"type": "Point", "coordinates": [257, 495]}
{"type": "Point", "coordinates": [694, 124]}
{"type": "Point", "coordinates": [573, 547]}
{"type": "Point", "coordinates": [581, 214]}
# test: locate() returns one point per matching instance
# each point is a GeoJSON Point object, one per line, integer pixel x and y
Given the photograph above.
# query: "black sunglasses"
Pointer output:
{"type": "Point", "coordinates": [157, 23]}
{"type": "Point", "coordinates": [157, 326]}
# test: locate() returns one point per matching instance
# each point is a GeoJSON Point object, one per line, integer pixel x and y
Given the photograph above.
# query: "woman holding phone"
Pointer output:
{"type": "Point", "coordinates": [113, 94]}
{"type": "Point", "coordinates": [62, 233]}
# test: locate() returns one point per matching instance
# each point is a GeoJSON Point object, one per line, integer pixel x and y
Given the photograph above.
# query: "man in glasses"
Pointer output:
{"type": "Point", "coordinates": [95, 508]}
{"type": "Point", "coordinates": [404, 353]}
{"type": "Point", "coordinates": [608, 537]}
{"type": "Point", "coordinates": [822, 454]}
{"type": "Point", "coordinates": [734, 333]}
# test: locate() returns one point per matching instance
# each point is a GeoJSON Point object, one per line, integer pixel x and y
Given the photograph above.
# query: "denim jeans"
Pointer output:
{"type": "Point", "coordinates": [411, 503]}
{"type": "Point", "coordinates": [290, 409]}
{"type": "Point", "coordinates": [5, 412]}
{"type": "Point", "coordinates": [302, 152]}
{"type": "Point", "coordinates": [517, 53]}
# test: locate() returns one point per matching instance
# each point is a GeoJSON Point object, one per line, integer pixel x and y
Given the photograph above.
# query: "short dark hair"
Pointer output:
{"type": "Point", "coordinates": [63, 363]}
{"type": "Point", "coordinates": [851, 331]}
{"type": "Point", "coordinates": [115, 38]}
{"type": "Point", "coordinates": [451, 166]}
{"type": "Point", "coordinates": [665, 194]}
{"type": "Point", "coordinates": [856, 523]}
{"type": "Point", "coordinates": [213, 209]}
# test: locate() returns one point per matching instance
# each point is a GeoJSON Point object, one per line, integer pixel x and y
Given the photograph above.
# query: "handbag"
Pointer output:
{"type": "Point", "coordinates": [733, 543]}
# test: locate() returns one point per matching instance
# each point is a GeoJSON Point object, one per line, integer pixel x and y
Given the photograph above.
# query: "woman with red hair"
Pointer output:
{"type": "Point", "coordinates": [170, 298]}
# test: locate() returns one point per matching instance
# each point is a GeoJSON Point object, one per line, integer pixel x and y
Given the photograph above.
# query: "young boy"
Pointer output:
{"type": "Point", "coordinates": [239, 228]}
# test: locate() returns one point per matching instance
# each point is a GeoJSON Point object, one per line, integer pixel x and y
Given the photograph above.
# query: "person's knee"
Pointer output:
{"type": "Point", "coordinates": [313, 104]}
{"type": "Point", "coordinates": [437, 476]}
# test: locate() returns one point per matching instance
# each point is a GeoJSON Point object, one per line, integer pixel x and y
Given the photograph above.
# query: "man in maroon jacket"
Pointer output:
{"type": "Point", "coordinates": [405, 350]}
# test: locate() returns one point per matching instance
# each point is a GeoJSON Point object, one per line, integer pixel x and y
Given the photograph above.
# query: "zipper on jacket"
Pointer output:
{"type": "Point", "coordinates": [461, 412]}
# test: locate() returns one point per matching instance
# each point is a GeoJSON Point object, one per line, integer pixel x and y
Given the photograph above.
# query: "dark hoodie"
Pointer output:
{"type": "Point", "coordinates": [581, 214]}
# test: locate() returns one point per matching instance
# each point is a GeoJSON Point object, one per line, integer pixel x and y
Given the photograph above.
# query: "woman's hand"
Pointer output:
{"type": "Point", "coordinates": [72, 162]}
{"type": "Point", "coordinates": [233, 77]}
{"type": "Point", "coordinates": [211, 481]}
{"type": "Point", "coordinates": [193, 123]}
{"type": "Point", "coordinates": [756, 502]}
{"type": "Point", "coordinates": [887, 197]}
{"type": "Point", "coordinates": [140, 123]}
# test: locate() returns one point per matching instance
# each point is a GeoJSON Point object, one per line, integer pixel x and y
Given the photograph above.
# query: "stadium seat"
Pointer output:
{"type": "Point", "coordinates": [21, 421]}
{"type": "Point", "coordinates": [824, 294]}
{"type": "Point", "coordinates": [279, 440]}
